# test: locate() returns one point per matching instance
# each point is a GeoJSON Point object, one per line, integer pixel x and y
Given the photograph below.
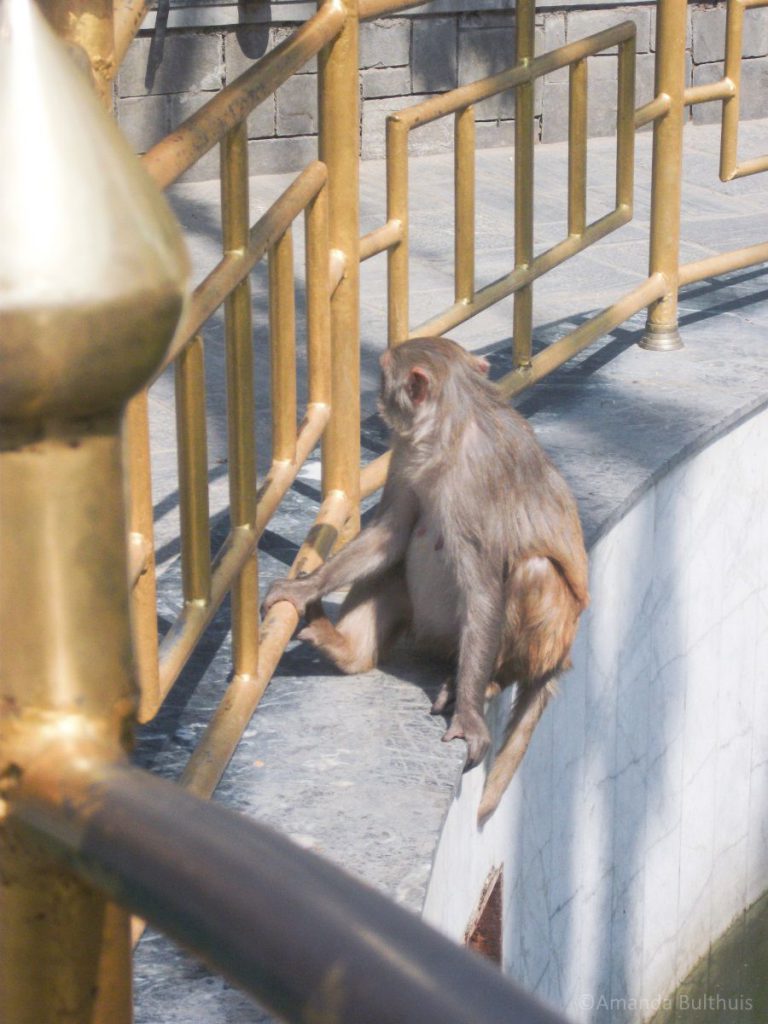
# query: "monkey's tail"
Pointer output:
{"type": "Point", "coordinates": [529, 707]}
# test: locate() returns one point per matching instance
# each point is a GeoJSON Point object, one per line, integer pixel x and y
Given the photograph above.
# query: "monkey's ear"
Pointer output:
{"type": "Point", "coordinates": [417, 385]}
{"type": "Point", "coordinates": [481, 364]}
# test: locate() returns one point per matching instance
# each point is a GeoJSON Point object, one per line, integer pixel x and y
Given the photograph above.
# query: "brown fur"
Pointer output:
{"type": "Point", "coordinates": [476, 548]}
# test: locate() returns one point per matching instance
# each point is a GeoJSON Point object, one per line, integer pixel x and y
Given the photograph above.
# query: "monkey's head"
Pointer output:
{"type": "Point", "coordinates": [421, 375]}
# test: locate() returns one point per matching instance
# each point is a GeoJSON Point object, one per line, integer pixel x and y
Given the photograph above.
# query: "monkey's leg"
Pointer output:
{"type": "Point", "coordinates": [542, 613]}
{"type": "Point", "coordinates": [541, 620]}
{"type": "Point", "coordinates": [481, 630]}
{"type": "Point", "coordinates": [372, 615]}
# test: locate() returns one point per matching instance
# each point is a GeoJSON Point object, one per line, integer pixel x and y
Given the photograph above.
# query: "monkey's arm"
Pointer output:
{"type": "Point", "coordinates": [478, 648]}
{"type": "Point", "coordinates": [375, 549]}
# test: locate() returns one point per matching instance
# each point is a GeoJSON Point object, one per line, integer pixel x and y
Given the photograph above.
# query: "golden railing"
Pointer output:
{"type": "Point", "coordinates": [332, 275]}
{"type": "Point", "coordinates": [329, 272]}
{"type": "Point", "coordinates": [86, 838]}
{"type": "Point", "coordinates": [666, 111]}
{"type": "Point", "coordinates": [66, 671]}
{"type": "Point", "coordinates": [460, 102]}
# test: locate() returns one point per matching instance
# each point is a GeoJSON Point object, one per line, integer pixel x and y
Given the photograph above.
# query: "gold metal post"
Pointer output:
{"type": "Point", "coordinates": [661, 333]}
{"type": "Point", "coordinates": [625, 127]}
{"type": "Point", "coordinates": [523, 309]}
{"type": "Point", "coordinates": [93, 26]}
{"type": "Point", "coordinates": [84, 321]}
{"type": "Point", "coordinates": [136, 454]}
{"type": "Point", "coordinates": [318, 300]}
{"type": "Point", "coordinates": [734, 31]}
{"type": "Point", "coordinates": [397, 214]}
{"type": "Point", "coordinates": [577, 148]}
{"type": "Point", "coordinates": [193, 472]}
{"type": "Point", "coordinates": [240, 402]}
{"type": "Point", "coordinates": [464, 204]}
{"type": "Point", "coordinates": [339, 105]}
{"type": "Point", "coordinates": [282, 335]}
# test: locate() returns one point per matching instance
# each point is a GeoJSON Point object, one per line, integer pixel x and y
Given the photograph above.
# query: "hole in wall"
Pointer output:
{"type": "Point", "coordinates": [484, 930]}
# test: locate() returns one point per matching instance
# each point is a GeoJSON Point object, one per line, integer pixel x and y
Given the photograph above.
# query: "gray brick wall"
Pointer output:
{"type": "Point", "coordinates": [404, 59]}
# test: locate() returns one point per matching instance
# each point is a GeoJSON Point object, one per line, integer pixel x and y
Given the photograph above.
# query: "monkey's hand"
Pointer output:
{"type": "Point", "coordinates": [468, 724]}
{"type": "Point", "coordinates": [299, 593]}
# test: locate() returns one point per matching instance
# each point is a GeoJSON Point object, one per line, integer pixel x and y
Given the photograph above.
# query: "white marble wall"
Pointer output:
{"type": "Point", "coordinates": [637, 827]}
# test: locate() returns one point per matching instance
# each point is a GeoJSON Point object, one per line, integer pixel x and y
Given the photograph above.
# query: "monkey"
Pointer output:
{"type": "Point", "coordinates": [476, 549]}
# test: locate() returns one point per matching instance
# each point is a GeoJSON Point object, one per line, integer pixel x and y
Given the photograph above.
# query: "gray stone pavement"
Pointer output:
{"type": "Point", "coordinates": [353, 767]}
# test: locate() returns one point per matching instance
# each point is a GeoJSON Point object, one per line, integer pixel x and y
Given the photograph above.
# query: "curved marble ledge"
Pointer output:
{"type": "Point", "coordinates": [637, 827]}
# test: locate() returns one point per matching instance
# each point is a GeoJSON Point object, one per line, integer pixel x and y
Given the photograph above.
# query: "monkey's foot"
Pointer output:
{"type": "Point", "coordinates": [469, 726]}
{"type": "Point", "coordinates": [323, 635]}
{"type": "Point", "coordinates": [319, 631]}
{"type": "Point", "coordinates": [445, 698]}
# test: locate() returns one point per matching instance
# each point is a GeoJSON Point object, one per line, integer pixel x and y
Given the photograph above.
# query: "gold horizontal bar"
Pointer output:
{"type": "Point", "coordinates": [223, 733]}
{"type": "Point", "coordinates": [373, 475]}
{"type": "Point", "coordinates": [176, 153]}
{"type": "Point", "coordinates": [723, 263]}
{"type": "Point", "coordinates": [652, 110]}
{"type": "Point", "coordinates": [139, 551]}
{"type": "Point", "coordinates": [720, 90]}
{"type": "Point", "coordinates": [370, 9]}
{"type": "Point", "coordinates": [233, 267]}
{"type": "Point", "coordinates": [206, 299]}
{"type": "Point", "coordinates": [129, 14]}
{"type": "Point", "coordinates": [380, 239]}
{"type": "Point", "coordinates": [475, 92]}
{"type": "Point", "coordinates": [747, 167]}
{"type": "Point", "coordinates": [140, 522]}
{"type": "Point", "coordinates": [459, 312]}
{"type": "Point", "coordinates": [755, 3]}
{"type": "Point", "coordinates": [565, 348]}
{"type": "Point", "coordinates": [180, 641]}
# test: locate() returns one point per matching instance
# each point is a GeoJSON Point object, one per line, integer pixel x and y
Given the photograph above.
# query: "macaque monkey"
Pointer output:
{"type": "Point", "coordinates": [476, 549]}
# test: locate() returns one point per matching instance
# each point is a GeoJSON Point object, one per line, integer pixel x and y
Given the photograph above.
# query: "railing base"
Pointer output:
{"type": "Point", "coordinates": [660, 338]}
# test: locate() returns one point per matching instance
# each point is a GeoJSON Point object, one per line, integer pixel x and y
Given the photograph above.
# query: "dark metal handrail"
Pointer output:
{"type": "Point", "coordinates": [307, 940]}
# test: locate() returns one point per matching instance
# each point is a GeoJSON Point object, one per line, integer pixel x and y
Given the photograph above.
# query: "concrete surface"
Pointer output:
{"type": "Point", "coordinates": [353, 767]}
